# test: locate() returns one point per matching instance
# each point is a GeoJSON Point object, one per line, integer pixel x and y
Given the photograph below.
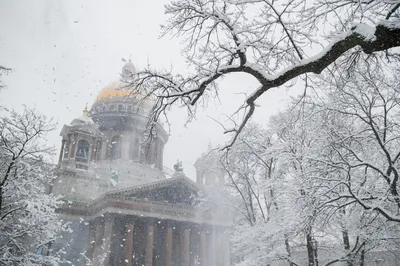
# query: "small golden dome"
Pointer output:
{"type": "Point", "coordinates": [115, 89]}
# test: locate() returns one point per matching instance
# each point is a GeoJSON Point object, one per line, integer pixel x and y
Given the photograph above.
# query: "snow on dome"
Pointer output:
{"type": "Point", "coordinates": [128, 70]}
{"type": "Point", "coordinates": [122, 87]}
{"type": "Point", "coordinates": [114, 89]}
{"type": "Point", "coordinates": [118, 89]}
{"type": "Point", "coordinates": [82, 120]}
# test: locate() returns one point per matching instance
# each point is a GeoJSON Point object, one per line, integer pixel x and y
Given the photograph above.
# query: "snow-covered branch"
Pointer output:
{"type": "Point", "coordinates": [267, 40]}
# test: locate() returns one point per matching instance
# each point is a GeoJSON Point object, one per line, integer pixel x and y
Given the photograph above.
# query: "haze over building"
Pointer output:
{"type": "Point", "coordinates": [124, 206]}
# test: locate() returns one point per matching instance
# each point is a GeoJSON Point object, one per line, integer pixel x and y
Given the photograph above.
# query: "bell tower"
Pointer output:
{"type": "Point", "coordinates": [209, 171]}
{"type": "Point", "coordinates": [106, 148]}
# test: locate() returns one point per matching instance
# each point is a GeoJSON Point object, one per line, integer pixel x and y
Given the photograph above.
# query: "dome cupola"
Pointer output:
{"type": "Point", "coordinates": [122, 97]}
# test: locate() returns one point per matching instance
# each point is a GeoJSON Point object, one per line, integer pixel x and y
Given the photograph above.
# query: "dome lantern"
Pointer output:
{"type": "Point", "coordinates": [128, 70]}
{"type": "Point", "coordinates": [85, 111]}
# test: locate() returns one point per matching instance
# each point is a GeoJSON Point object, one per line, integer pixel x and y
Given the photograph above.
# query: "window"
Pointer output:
{"type": "Point", "coordinates": [82, 152]}
{"type": "Point", "coordinates": [111, 109]}
{"type": "Point", "coordinates": [103, 108]}
{"type": "Point", "coordinates": [130, 108]}
{"type": "Point", "coordinates": [120, 108]}
{"type": "Point", "coordinates": [115, 148]}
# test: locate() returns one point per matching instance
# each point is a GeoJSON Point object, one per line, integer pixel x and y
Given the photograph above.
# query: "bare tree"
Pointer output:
{"type": "Point", "coordinates": [312, 212]}
{"type": "Point", "coordinates": [3, 70]}
{"type": "Point", "coordinates": [367, 146]}
{"type": "Point", "coordinates": [272, 41]}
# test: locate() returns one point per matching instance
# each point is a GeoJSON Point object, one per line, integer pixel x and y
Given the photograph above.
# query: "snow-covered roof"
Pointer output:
{"type": "Point", "coordinates": [82, 120]}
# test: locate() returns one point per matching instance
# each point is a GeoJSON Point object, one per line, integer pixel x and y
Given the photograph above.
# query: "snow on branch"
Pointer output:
{"type": "Point", "coordinates": [225, 37]}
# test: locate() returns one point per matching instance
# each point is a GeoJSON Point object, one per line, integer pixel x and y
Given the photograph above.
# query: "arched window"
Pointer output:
{"type": "Point", "coordinates": [82, 152]}
{"type": "Point", "coordinates": [115, 148]}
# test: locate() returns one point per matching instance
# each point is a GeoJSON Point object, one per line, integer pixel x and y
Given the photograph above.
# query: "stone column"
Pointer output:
{"type": "Point", "coordinates": [108, 233]}
{"type": "Point", "coordinates": [219, 247]}
{"type": "Point", "coordinates": [94, 150]}
{"type": "Point", "coordinates": [67, 146]}
{"type": "Point", "coordinates": [73, 146]}
{"type": "Point", "coordinates": [161, 155]}
{"type": "Point", "coordinates": [227, 251]}
{"type": "Point", "coordinates": [91, 244]}
{"type": "Point", "coordinates": [168, 245]}
{"type": "Point", "coordinates": [104, 148]}
{"type": "Point", "coordinates": [211, 247]}
{"type": "Point", "coordinates": [149, 245]}
{"type": "Point", "coordinates": [185, 246]}
{"type": "Point", "coordinates": [199, 177]}
{"type": "Point", "coordinates": [125, 145]}
{"type": "Point", "coordinates": [98, 242]}
{"type": "Point", "coordinates": [203, 249]}
{"type": "Point", "coordinates": [62, 150]}
{"type": "Point", "coordinates": [129, 243]}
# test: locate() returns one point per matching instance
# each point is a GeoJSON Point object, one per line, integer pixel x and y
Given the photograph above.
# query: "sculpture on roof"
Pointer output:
{"type": "Point", "coordinates": [178, 166]}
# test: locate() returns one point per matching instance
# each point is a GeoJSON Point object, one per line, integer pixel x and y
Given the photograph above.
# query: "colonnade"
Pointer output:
{"type": "Point", "coordinates": [69, 146]}
{"type": "Point", "coordinates": [99, 149]}
{"type": "Point", "coordinates": [131, 240]}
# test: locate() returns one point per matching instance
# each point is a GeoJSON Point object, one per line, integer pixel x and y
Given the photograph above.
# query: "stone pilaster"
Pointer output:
{"type": "Point", "coordinates": [149, 245]}
{"type": "Point", "coordinates": [129, 243]}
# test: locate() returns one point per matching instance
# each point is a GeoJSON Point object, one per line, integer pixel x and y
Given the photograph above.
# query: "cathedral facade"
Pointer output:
{"type": "Point", "coordinates": [123, 206]}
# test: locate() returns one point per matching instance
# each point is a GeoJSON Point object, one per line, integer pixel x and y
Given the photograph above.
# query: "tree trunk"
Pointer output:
{"type": "Point", "coordinates": [287, 245]}
{"type": "Point", "coordinates": [310, 250]}
{"type": "Point", "coordinates": [3, 182]}
{"type": "Point", "coordinates": [315, 252]}
{"type": "Point", "coordinates": [362, 257]}
{"type": "Point", "coordinates": [346, 243]}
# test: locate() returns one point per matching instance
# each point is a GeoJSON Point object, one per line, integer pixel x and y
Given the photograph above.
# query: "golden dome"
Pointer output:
{"type": "Point", "coordinates": [115, 89]}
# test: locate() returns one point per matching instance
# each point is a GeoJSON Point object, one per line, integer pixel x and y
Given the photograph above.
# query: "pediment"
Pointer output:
{"type": "Point", "coordinates": [177, 190]}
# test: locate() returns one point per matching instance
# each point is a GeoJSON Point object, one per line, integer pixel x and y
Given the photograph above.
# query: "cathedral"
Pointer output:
{"type": "Point", "coordinates": [122, 205]}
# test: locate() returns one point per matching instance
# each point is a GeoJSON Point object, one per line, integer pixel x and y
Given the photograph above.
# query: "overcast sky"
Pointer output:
{"type": "Point", "coordinates": [64, 52]}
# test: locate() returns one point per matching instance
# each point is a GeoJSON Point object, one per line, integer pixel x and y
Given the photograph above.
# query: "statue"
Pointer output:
{"type": "Point", "coordinates": [114, 178]}
{"type": "Point", "coordinates": [178, 166]}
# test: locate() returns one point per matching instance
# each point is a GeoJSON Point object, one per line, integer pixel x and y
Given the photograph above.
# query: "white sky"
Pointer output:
{"type": "Point", "coordinates": [63, 52]}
